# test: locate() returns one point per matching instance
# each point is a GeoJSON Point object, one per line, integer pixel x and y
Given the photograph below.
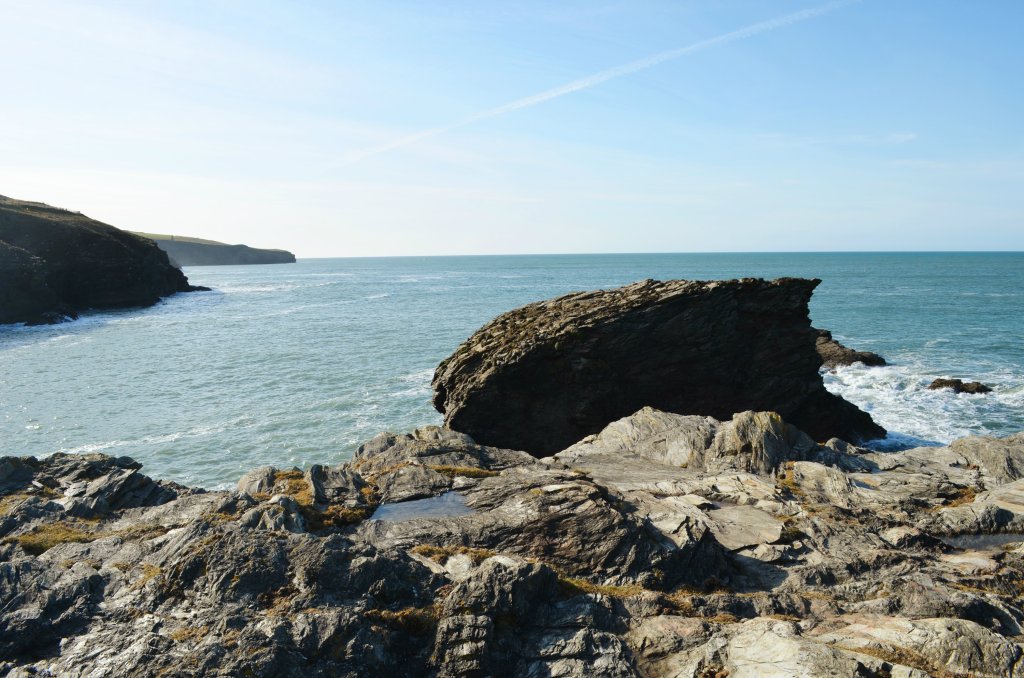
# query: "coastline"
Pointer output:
{"type": "Point", "coordinates": [659, 544]}
{"type": "Point", "coordinates": [826, 559]}
{"type": "Point", "coordinates": [337, 351]}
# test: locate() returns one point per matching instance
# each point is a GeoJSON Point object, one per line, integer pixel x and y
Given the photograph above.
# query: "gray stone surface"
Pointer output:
{"type": "Point", "coordinates": [664, 545]}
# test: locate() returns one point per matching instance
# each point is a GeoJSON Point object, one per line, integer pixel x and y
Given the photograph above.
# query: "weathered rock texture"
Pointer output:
{"type": "Point", "coordinates": [665, 545]}
{"type": "Point", "coordinates": [185, 251]}
{"type": "Point", "coordinates": [543, 376]}
{"type": "Point", "coordinates": [834, 354]}
{"type": "Point", "coordinates": [960, 386]}
{"type": "Point", "coordinates": [25, 293]}
{"type": "Point", "coordinates": [55, 263]}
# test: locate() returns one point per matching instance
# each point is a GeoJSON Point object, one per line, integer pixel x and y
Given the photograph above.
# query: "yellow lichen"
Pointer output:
{"type": "Point", "coordinates": [188, 634]}
{"type": "Point", "coordinates": [44, 537]}
{"type": "Point", "coordinates": [441, 554]}
{"type": "Point", "coordinates": [414, 620]}
{"type": "Point", "coordinates": [575, 586]}
{"type": "Point", "coordinates": [466, 471]}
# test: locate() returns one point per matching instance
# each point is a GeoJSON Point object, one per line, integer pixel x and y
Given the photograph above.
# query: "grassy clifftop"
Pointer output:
{"type": "Point", "coordinates": [55, 263]}
{"type": "Point", "coordinates": [188, 251]}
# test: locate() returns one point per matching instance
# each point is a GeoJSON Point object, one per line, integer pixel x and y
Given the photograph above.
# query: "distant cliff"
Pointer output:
{"type": "Point", "coordinates": [198, 252]}
{"type": "Point", "coordinates": [55, 263]}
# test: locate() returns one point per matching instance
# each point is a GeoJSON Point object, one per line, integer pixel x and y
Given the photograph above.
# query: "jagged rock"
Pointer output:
{"type": "Point", "coordinates": [543, 376]}
{"type": "Point", "coordinates": [512, 618]}
{"type": "Point", "coordinates": [936, 646]}
{"type": "Point", "coordinates": [55, 263]}
{"type": "Point", "coordinates": [664, 545]}
{"type": "Point", "coordinates": [834, 354]}
{"type": "Point", "coordinates": [959, 386]}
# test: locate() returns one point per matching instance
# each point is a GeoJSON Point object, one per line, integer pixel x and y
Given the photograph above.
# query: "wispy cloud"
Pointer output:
{"type": "Point", "coordinates": [604, 76]}
{"type": "Point", "coordinates": [800, 140]}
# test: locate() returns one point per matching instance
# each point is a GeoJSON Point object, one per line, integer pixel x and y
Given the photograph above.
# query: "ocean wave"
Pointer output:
{"type": "Point", "coordinates": [899, 399]}
{"type": "Point", "coordinates": [161, 439]}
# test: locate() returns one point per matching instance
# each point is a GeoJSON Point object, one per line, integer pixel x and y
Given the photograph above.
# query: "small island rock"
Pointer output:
{"type": "Point", "coordinates": [834, 354]}
{"type": "Point", "coordinates": [541, 377]}
{"type": "Point", "coordinates": [959, 386]}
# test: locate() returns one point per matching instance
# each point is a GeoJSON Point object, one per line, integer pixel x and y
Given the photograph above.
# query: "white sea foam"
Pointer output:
{"type": "Point", "coordinates": [898, 398]}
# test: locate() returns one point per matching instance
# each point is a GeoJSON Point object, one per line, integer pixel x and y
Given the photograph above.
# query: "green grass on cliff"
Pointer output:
{"type": "Point", "coordinates": [178, 238]}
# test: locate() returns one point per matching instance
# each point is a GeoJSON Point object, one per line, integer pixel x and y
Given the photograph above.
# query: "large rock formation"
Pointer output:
{"type": "Point", "coordinates": [25, 294]}
{"type": "Point", "coordinates": [543, 376]}
{"type": "Point", "coordinates": [665, 545]}
{"type": "Point", "coordinates": [185, 251]}
{"type": "Point", "coordinates": [55, 263]}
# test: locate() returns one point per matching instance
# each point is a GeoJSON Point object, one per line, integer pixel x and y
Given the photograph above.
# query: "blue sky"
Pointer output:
{"type": "Point", "coordinates": [872, 125]}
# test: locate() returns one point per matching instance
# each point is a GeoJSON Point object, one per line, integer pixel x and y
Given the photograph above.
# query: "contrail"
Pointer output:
{"type": "Point", "coordinates": [606, 75]}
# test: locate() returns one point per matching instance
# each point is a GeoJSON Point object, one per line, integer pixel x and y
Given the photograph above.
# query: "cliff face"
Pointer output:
{"type": "Point", "coordinates": [195, 252]}
{"type": "Point", "coordinates": [55, 263]}
{"type": "Point", "coordinates": [24, 292]}
{"type": "Point", "coordinates": [543, 376]}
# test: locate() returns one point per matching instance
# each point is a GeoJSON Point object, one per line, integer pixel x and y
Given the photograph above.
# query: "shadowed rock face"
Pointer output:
{"type": "Point", "coordinates": [55, 263]}
{"type": "Point", "coordinates": [543, 376]}
{"type": "Point", "coordinates": [24, 292]}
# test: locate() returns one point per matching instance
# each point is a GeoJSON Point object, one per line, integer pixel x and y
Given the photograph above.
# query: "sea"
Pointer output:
{"type": "Point", "coordinates": [296, 364]}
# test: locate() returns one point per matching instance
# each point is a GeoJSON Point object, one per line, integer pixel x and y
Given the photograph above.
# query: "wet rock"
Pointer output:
{"type": "Point", "coordinates": [834, 354]}
{"type": "Point", "coordinates": [959, 386]}
{"type": "Point", "coordinates": [544, 376]}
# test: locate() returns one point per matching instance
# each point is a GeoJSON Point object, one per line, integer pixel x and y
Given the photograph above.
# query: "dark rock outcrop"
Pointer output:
{"type": "Point", "coordinates": [665, 545]}
{"type": "Point", "coordinates": [197, 252]}
{"type": "Point", "coordinates": [55, 263]}
{"type": "Point", "coordinates": [959, 386]}
{"type": "Point", "coordinates": [834, 354]}
{"type": "Point", "coordinates": [543, 376]}
{"type": "Point", "coordinates": [25, 294]}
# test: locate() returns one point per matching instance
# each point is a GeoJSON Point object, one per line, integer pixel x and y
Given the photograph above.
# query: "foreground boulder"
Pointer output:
{"type": "Point", "coordinates": [543, 376]}
{"type": "Point", "coordinates": [55, 263]}
{"type": "Point", "coordinates": [664, 545]}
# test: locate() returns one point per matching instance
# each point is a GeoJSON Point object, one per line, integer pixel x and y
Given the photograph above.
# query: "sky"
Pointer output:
{"type": "Point", "coordinates": [377, 128]}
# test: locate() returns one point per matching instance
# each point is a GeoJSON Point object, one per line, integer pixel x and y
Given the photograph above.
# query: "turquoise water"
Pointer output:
{"type": "Point", "coordinates": [299, 363]}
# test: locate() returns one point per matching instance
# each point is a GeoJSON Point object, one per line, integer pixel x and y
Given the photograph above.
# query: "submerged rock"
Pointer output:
{"type": "Point", "coordinates": [834, 354]}
{"type": "Point", "coordinates": [664, 545]}
{"type": "Point", "coordinates": [959, 386]}
{"type": "Point", "coordinates": [543, 376]}
{"type": "Point", "coordinates": [55, 263]}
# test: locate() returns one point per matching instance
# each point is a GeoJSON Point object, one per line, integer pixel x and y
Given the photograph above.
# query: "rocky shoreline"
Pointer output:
{"type": "Point", "coordinates": [665, 545]}
{"type": "Point", "coordinates": [658, 544]}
